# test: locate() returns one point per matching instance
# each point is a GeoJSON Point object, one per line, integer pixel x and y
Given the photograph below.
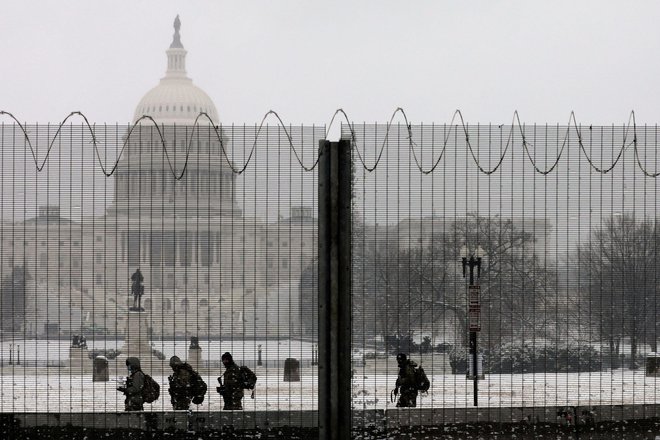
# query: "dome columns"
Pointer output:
{"type": "Point", "coordinates": [176, 63]}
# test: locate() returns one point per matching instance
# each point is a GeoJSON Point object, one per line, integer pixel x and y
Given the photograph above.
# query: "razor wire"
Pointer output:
{"type": "Point", "coordinates": [412, 144]}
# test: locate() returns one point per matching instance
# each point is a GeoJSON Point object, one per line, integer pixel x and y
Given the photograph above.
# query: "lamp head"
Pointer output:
{"type": "Point", "coordinates": [464, 252]}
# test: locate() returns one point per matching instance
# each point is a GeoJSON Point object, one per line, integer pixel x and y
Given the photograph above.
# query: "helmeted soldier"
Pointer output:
{"type": "Point", "coordinates": [182, 383]}
{"type": "Point", "coordinates": [231, 384]}
{"type": "Point", "coordinates": [134, 385]}
{"type": "Point", "coordinates": [406, 385]}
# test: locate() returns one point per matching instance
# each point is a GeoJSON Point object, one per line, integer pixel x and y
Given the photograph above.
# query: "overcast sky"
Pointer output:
{"type": "Point", "coordinates": [307, 58]}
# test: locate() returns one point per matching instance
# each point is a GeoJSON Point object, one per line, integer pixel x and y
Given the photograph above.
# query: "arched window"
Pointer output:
{"type": "Point", "coordinates": [184, 304]}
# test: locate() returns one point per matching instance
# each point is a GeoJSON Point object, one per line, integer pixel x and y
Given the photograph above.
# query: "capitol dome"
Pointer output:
{"type": "Point", "coordinates": [176, 100]}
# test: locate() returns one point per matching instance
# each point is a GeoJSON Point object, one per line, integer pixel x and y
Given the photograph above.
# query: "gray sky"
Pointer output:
{"type": "Point", "coordinates": [305, 59]}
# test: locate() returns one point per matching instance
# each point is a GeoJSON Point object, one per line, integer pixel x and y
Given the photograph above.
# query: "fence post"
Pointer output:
{"type": "Point", "coordinates": [334, 272]}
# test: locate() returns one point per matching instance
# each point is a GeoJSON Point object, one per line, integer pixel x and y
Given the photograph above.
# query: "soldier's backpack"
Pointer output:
{"type": "Point", "coordinates": [150, 389]}
{"type": "Point", "coordinates": [248, 378]}
{"type": "Point", "coordinates": [421, 381]}
{"type": "Point", "coordinates": [198, 388]}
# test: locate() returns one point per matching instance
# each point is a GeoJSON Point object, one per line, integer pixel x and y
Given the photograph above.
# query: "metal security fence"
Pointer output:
{"type": "Point", "coordinates": [219, 220]}
{"type": "Point", "coordinates": [533, 246]}
{"type": "Point", "coordinates": [517, 265]}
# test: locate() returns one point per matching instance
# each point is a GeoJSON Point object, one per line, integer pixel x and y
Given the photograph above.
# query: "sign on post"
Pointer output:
{"type": "Point", "coordinates": [474, 309]}
{"type": "Point", "coordinates": [473, 295]}
{"type": "Point", "coordinates": [474, 321]}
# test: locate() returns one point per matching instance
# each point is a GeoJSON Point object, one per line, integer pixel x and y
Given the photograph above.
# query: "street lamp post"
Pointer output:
{"type": "Point", "coordinates": [471, 260]}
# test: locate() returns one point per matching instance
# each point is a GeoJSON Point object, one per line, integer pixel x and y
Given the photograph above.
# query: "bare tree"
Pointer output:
{"type": "Point", "coordinates": [397, 289]}
{"type": "Point", "coordinates": [517, 287]}
{"type": "Point", "coordinates": [400, 287]}
{"type": "Point", "coordinates": [620, 272]}
{"type": "Point", "coordinates": [13, 298]}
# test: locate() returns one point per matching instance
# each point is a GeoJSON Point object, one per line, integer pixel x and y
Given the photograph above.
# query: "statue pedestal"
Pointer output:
{"type": "Point", "coordinates": [79, 361]}
{"type": "Point", "coordinates": [136, 339]}
{"type": "Point", "coordinates": [137, 344]}
{"type": "Point", "coordinates": [195, 358]}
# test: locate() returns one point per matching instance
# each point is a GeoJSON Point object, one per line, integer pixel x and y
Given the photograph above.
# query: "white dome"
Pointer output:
{"type": "Point", "coordinates": [176, 100]}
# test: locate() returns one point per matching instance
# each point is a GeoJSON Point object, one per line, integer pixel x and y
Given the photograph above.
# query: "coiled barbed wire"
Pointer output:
{"type": "Point", "coordinates": [457, 115]}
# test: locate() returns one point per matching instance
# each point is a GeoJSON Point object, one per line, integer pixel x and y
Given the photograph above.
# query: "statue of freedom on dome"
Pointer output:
{"type": "Point", "coordinates": [176, 42]}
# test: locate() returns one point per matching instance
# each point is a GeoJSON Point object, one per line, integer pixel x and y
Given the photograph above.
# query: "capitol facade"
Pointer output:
{"type": "Point", "coordinates": [208, 269]}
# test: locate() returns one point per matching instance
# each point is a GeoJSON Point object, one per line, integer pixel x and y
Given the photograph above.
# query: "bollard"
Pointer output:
{"type": "Point", "coordinates": [315, 354]}
{"type": "Point", "coordinates": [100, 371]}
{"type": "Point", "coordinates": [195, 353]}
{"type": "Point", "coordinates": [291, 370]}
{"type": "Point", "coordinates": [11, 352]}
{"type": "Point", "coordinates": [652, 364]}
{"type": "Point", "coordinates": [18, 354]}
{"type": "Point", "coordinates": [259, 363]}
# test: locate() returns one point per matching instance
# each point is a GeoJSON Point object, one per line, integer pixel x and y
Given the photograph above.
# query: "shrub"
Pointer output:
{"type": "Point", "coordinates": [517, 358]}
{"type": "Point", "coordinates": [458, 360]}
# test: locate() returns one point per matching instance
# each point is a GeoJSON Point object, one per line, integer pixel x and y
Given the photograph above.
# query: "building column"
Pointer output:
{"type": "Point", "coordinates": [143, 247]}
{"type": "Point", "coordinates": [180, 255]}
{"type": "Point", "coordinates": [195, 244]}
{"type": "Point", "coordinates": [147, 247]}
{"type": "Point", "coordinates": [123, 246]}
{"type": "Point", "coordinates": [175, 247]}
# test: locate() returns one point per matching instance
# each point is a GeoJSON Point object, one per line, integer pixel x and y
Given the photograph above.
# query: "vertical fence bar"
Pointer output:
{"type": "Point", "coordinates": [334, 195]}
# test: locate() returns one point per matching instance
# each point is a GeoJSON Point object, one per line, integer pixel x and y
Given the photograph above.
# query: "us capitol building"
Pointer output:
{"type": "Point", "coordinates": [208, 269]}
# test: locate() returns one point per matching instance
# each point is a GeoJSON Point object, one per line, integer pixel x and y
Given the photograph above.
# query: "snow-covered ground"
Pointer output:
{"type": "Point", "coordinates": [52, 392]}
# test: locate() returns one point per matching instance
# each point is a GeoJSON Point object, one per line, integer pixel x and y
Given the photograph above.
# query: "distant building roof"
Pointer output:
{"type": "Point", "coordinates": [49, 214]}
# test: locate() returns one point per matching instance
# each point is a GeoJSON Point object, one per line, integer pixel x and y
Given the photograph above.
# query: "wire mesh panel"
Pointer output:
{"type": "Point", "coordinates": [516, 265]}
{"type": "Point", "coordinates": [152, 242]}
{"type": "Point", "coordinates": [533, 246]}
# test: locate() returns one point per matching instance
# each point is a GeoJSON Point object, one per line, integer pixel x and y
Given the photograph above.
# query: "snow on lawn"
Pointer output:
{"type": "Point", "coordinates": [49, 392]}
{"type": "Point", "coordinates": [70, 393]}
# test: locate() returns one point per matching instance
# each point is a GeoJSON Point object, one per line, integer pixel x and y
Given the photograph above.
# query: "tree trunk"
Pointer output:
{"type": "Point", "coordinates": [614, 353]}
